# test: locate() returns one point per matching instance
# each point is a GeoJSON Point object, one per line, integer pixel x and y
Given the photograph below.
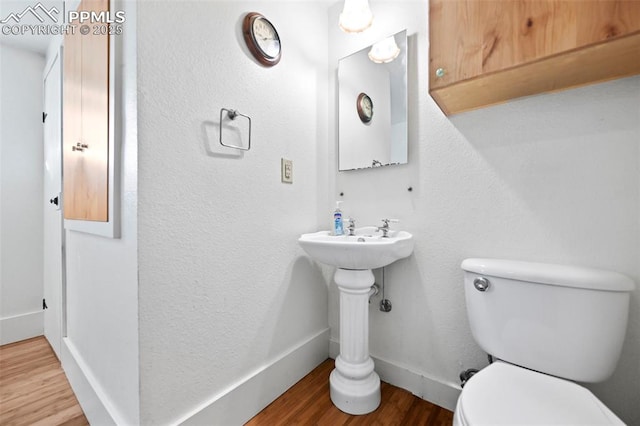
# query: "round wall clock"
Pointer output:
{"type": "Point", "coordinates": [364, 106]}
{"type": "Point", "coordinates": [262, 39]}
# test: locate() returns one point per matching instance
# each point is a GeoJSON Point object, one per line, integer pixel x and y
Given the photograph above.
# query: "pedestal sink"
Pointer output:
{"type": "Point", "coordinates": [354, 385]}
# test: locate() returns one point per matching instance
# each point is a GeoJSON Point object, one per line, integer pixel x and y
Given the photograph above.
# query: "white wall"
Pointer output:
{"type": "Point", "coordinates": [21, 194]}
{"type": "Point", "coordinates": [225, 292]}
{"type": "Point", "coordinates": [550, 178]}
{"type": "Point", "coordinates": [101, 348]}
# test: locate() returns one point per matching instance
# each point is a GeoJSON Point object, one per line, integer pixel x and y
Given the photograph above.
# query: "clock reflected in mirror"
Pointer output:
{"type": "Point", "coordinates": [364, 106]}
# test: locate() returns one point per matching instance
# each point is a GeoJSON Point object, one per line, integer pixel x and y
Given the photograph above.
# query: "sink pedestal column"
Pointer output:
{"type": "Point", "coordinates": [354, 386]}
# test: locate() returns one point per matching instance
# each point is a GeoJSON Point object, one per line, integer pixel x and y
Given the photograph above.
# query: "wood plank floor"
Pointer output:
{"type": "Point", "coordinates": [308, 403]}
{"type": "Point", "coordinates": [33, 387]}
{"type": "Point", "coordinates": [34, 391]}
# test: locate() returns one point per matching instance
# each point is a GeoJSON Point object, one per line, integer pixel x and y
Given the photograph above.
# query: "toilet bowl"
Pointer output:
{"type": "Point", "coordinates": [547, 325]}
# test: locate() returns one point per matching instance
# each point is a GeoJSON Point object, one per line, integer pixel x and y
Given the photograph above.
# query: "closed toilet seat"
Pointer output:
{"type": "Point", "coordinates": [504, 394]}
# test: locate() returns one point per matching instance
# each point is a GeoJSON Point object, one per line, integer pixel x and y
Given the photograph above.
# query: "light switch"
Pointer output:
{"type": "Point", "coordinates": [286, 170]}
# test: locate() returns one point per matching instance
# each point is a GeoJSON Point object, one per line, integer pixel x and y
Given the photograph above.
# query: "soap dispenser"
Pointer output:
{"type": "Point", "coordinates": [338, 229]}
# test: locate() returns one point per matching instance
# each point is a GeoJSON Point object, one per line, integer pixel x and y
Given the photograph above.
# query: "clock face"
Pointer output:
{"type": "Point", "coordinates": [266, 37]}
{"type": "Point", "coordinates": [364, 106]}
{"type": "Point", "coordinates": [262, 39]}
{"type": "Point", "coordinates": [367, 106]}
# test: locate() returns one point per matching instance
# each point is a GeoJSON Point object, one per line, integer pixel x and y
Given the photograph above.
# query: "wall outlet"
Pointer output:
{"type": "Point", "coordinates": [286, 170]}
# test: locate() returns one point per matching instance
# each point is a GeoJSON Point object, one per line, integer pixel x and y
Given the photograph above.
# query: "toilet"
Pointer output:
{"type": "Point", "coordinates": [546, 326]}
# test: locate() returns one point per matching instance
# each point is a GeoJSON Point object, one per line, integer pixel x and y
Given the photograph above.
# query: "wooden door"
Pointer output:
{"type": "Point", "coordinates": [86, 119]}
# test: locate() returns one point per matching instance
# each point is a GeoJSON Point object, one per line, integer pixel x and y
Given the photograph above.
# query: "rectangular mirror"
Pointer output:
{"type": "Point", "coordinates": [372, 105]}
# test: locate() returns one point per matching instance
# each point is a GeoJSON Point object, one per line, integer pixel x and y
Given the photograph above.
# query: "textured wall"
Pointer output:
{"type": "Point", "coordinates": [223, 286]}
{"type": "Point", "coordinates": [550, 178]}
{"type": "Point", "coordinates": [21, 175]}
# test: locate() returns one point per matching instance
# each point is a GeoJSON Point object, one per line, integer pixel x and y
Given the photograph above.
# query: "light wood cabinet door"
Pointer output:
{"type": "Point", "coordinates": [86, 120]}
{"type": "Point", "coordinates": [488, 51]}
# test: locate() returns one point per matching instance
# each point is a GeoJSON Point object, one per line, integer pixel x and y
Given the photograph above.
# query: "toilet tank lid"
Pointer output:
{"type": "Point", "coordinates": [548, 273]}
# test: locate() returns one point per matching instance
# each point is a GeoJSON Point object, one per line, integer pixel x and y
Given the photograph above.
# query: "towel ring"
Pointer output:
{"type": "Point", "coordinates": [232, 114]}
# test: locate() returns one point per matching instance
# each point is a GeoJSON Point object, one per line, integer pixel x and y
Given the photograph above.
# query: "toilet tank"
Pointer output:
{"type": "Point", "coordinates": [561, 320]}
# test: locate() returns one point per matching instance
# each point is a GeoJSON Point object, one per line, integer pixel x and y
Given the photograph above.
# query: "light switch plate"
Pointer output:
{"type": "Point", "coordinates": [286, 170]}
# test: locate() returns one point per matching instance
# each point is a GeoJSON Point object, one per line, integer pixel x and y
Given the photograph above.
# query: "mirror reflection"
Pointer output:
{"type": "Point", "coordinates": [372, 105]}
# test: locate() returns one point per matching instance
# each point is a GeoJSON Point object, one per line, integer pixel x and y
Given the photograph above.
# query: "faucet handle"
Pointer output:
{"type": "Point", "coordinates": [386, 222]}
{"type": "Point", "coordinates": [352, 225]}
{"type": "Point", "coordinates": [385, 226]}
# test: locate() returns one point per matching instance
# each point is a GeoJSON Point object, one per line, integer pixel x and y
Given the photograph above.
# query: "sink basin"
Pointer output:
{"type": "Point", "coordinates": [368, 249]}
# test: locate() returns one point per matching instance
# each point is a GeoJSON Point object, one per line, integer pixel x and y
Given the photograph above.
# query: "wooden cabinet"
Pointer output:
{"type": "Point", "coordinates": [86, 118]}
{"type": "Point", "coordinates": [484, 52]}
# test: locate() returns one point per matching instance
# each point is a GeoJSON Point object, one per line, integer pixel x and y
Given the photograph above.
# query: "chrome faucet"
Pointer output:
{"type": "Point", "coordinates": [385, 227]}
{"type": "Point", "coordinates": [352, 226]}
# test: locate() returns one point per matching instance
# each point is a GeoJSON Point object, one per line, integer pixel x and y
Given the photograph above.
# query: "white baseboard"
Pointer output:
{"type": "Point", "coordinates": [21, 327]}
{"type": "Point", "coordinates": [92, 399]}
{"type": "Point", "coordinates": [428, 388]}
{"type": "Point", "coordinates": [248, 396]}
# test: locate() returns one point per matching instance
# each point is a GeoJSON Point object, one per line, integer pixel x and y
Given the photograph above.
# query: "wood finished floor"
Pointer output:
{"type": "Point", "coordinates": [308, 403]}
{"type": "Point", "coordinates": [33, 387]}
{"type": "Point", "coordinates": [34, 391]}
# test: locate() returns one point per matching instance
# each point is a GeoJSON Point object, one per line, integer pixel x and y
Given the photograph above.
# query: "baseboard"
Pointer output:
{"type": "Point", "coordinates": [92, 399]}
{"type": "Point", "coordinates": [428, 388]}
{"type": "Point", "coordinates": [21, 327]}
{"type": "Point", "coordinates": [248, 396]}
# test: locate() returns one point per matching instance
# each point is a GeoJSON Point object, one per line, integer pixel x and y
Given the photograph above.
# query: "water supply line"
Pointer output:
{"type": "Point", "coordinates": [466, 375]}
{"type": "Point", "coordinates": [385, 304]}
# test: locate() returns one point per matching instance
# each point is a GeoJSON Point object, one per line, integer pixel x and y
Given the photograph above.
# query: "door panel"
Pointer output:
{"type": "Point", "coordinates": [86, 120]}
{"type": "Point", "coordinates": [52, 241]}
{"type": "Point", "coordinates": [95, 118]}
{"type": "Point", "coordinates": [72, 95]}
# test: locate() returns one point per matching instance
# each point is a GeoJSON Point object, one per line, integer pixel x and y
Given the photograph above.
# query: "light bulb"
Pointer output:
{"type": "Point", "coordinates": [384, 51]}
{"type": "Point", "coordinates": [356, 16]}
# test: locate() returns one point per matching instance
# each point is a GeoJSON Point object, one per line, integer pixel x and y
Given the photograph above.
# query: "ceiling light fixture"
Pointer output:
{"type": "Point", "coordinates": [356, 16]}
